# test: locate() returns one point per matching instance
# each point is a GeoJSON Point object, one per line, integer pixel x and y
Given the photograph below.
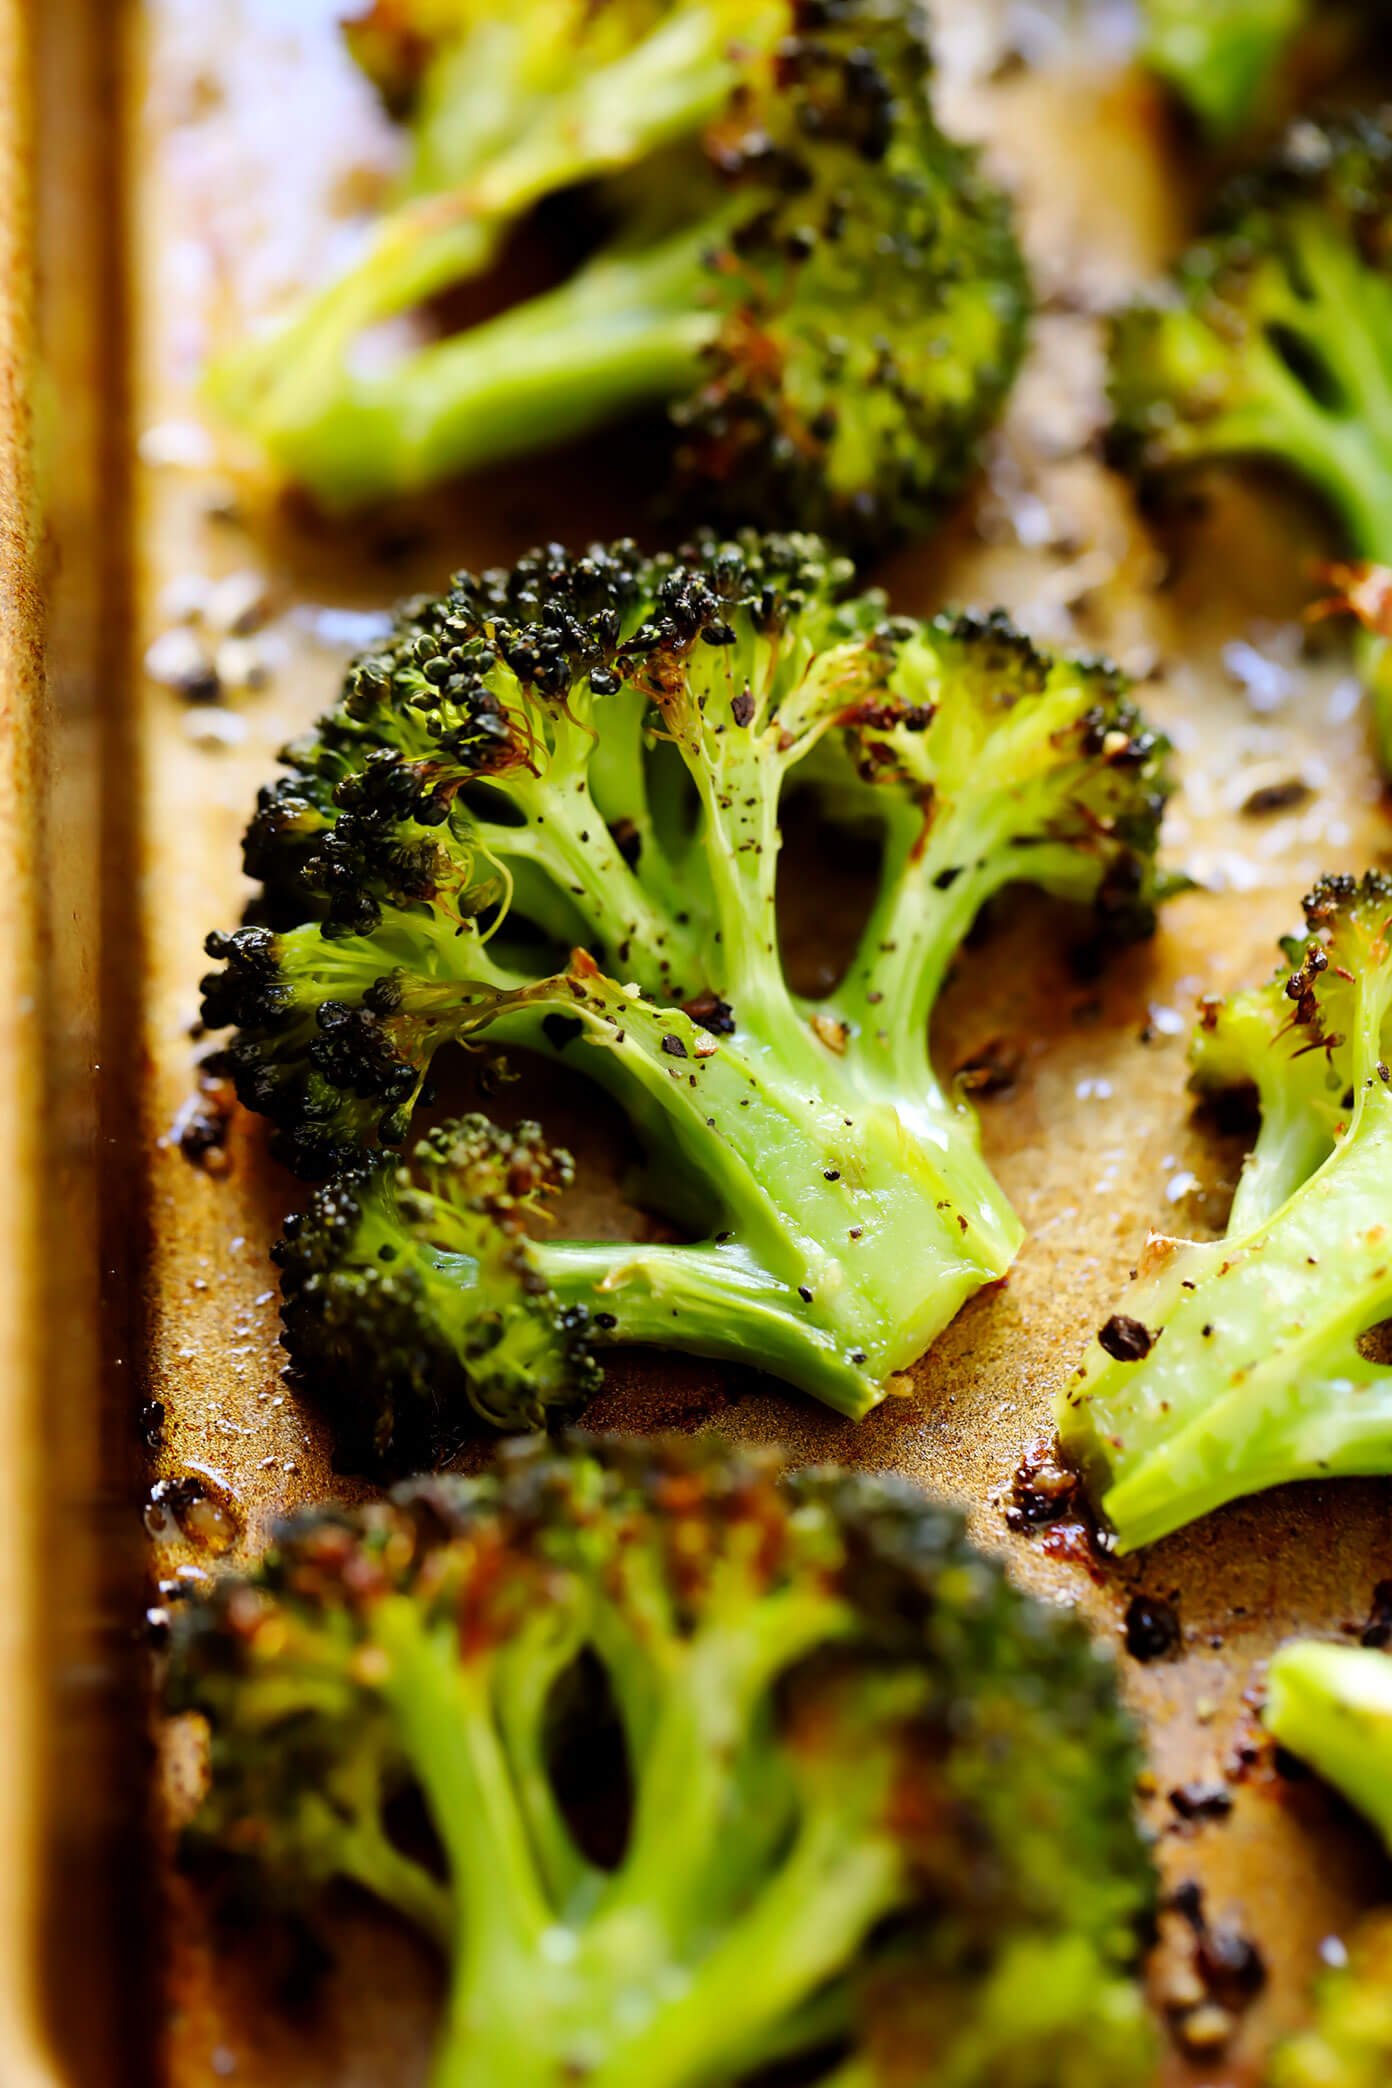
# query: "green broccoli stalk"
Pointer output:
{"type": "Point", "coordinates": [546, 816]}
{"type": "Point", "coordinates": [1332, 1706]}
{"type": "Point", "coordinates": [863, 1805]}
{"type": "Point", "coordinates": [1273, 343]}
{"type": "Point", "coordinates": [1238, 1364]}
{"type": "Point", "coordinates": [1350, 2043]}
{"type": "Point", "coordinates": [798, 263]}
{"type": "Point", "coordinates": [1219, 55]}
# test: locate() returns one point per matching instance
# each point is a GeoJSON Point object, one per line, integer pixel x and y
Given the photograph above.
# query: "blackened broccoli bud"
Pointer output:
{"type": "Point", "coordinates": [820, 286]}
{"type": "Point", "coordinates": [869, 1802]}
{"type": "Point", "coordinates": [331, 1073]}
{"type": "Point", "coordinates": [415, 1291]}
{"type": "Point", "coordinates": [1270, 343]}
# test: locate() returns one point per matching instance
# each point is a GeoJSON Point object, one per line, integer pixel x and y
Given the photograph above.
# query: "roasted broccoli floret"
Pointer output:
{"type": "Point", "coordinates": [592, 751]}
{"type": "Point", "coordinates": [1243, 1362]}
{"type": "Point", "coordinates": [819, 285]}
{"type": "Point", "coordinates": [1350, 2044]}
{"type": "Point", "coordinates": [1272, 343]}
{"type": "Point", "coordinates": [1219, 55]}
{"type": "Point", "coordinates": [728, 1770]}
{"type": "Point", "coordinates": [1332, 1705]}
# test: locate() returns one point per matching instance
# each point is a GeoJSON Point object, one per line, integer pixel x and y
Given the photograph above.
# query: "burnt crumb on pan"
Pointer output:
{"type": "Point", "coordinates": [1043, 1489]}
{"type": "Point", "coordinates": [1202, 1799]}
{"type": "Point", "coordinates": [1231, 1963]}
{"type": "Point", "coordinates": [993, 1070]}
{"type": "Point", "coordinates": [1125, 1339]}
{"type": "Point", "coordinates": [1270, 798]}
{"type": "Point", "coordinates": [179, 660]}
{"type": "Point", "coordinates": [200, 1130]}
{"type": "Point", "coordinates": [395, 546]}
{"type": "Point", "coordinates": [1215, 1976]}
{"type": "Point", "coordinates": [1378, 1629]}
{"type": "Point", "coordinates": [1151, 1627]}
{"type": "Point", "coordinates": [1046, 1499]}
{"type": "Point", "coordinates": [189, 1507]}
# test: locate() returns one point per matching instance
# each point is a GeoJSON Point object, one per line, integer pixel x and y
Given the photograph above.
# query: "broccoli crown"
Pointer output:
{"type": "Point", "coordinates": [818, 283]}
{"type": "Point", "coordinates": [872, 311]}
{"type": "Point", "coordinates": [727, 1768]}
{"type": "Point", "coordinates": [546, 815]}
{"type": "Point", "coordinates": [436, 1259]}
{"type": "Point", "coordinates": [1268, 341]}
{"type": "Point", "coordinates": [1241, 1363]}
{"type": "Point", "coordinates": [1219, 55]}
{"type": "Point", "coordinates": [1350, 2043]}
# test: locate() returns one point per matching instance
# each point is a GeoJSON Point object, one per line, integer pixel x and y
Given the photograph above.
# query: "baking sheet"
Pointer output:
{"type": "Point", "coordinates": [253, 147]}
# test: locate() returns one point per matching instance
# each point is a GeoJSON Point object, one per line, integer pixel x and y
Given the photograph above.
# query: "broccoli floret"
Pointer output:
{"type": "Point", "coordinates": [591, 752]}
{"type": "Point", "coordinates": [1272, 342]}
{"type": "Point", "coordinates": [1219, 55]}
{"type": "Point", "coordinates": [437, 1260]}
{"type": "Point", "coordinates": [1350, 2044]}
{"type": "Point", "coordinates": [728, 1770]}
{"type": "Point", "coordinates": [1239, 1363]}
{"type": "Point", "coordinates": [798, 263]}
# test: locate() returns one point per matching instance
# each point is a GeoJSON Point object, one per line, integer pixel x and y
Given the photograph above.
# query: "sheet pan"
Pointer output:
{"type": "Point", "coordinates": [194, 159]}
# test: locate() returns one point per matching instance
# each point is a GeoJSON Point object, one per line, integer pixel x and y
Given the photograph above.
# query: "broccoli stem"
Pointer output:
{"type": "Point", "coordinates": [712, 1302]}
{"type": "Point", "coordinates": [1261, 1316]}
{"type": "Point", "coordinates": [928, 901]}
{"type": "Point", "coordinates": [1291, 1145]}
{"type": "Point", "coordinates": [786, 1176]}
{"type": "Point", "coordinates": [927, 906]}
{"type": "Point", "coordinates": [1373, 652]}
{"type": "Point", "coordinates": [522, 2012]}
{"type": "Point", "coordinates": [441, 1702]}
{"type": "Point", "coordinates": [638, 932]}
{"type": "Point", "coordinates": [474, 99]}
{"type": "Point", "coordinates": [802, 1927]}
{"type": "Point", "coordinates": [527, 1670]}
{"type": "Point", "coordinates": [666, 88]}
{"type": "Point", "coordinates": [630, 798]}
{"type": "Point", "coordinates": [701, 1723]}
{"type": "Point", "coordinates": [1219, 54]}
{"type": "Point", "coordinates": [625, 332]}
{"type": "Point", "coordinates": [1334, 424]}
{"type": "Point", "coordinates": [482, 160]}
{"type": "Point", "coordinates": [790, 1173]}
{"type": "Point", "coordinates": [1332, 1706]}
{"type": "Point", "coordinates": [364, 1855]}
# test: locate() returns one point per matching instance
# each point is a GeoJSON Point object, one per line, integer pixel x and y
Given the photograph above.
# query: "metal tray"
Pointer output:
{"type": "Point", "coordinates": [166, 171]}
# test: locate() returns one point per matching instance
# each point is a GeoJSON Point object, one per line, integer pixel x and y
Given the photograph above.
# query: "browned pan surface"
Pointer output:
{"type": "Point", "coordinates": [251, 143]}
